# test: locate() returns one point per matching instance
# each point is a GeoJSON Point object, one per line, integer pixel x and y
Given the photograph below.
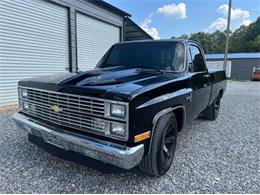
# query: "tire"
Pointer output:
{"type": "Point", "coordinates": [211, 112]}
{"type": "Point", "coordinates": [159, 158]}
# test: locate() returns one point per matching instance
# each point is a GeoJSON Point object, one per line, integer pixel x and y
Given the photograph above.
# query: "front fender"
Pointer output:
{"type": "Point", "coordinates": [146, 114]}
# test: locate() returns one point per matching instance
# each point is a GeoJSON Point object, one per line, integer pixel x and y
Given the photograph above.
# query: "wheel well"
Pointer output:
{"type": "Point", "coordinates": [179, 113]}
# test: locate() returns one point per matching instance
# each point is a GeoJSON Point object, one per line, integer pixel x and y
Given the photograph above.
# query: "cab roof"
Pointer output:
{"type": "Point", "coordinates": [184, 41]}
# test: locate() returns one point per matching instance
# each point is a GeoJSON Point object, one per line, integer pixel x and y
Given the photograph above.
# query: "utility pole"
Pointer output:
{"type": "Point", "coordinates": [227, 35]}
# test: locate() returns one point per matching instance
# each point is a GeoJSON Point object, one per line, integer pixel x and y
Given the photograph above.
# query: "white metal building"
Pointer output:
{"type": "Point", "coordinates": [40, 37]}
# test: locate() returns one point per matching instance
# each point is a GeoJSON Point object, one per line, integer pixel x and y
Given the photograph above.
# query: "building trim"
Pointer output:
{"type": "Point", "coordinates": [141, 33]}
{"type": "Point", "coordinates": [220, 56]}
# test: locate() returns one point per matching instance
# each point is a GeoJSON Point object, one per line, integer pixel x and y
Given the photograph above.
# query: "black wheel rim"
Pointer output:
{"type": "Point", "coordinates": [168, 147]}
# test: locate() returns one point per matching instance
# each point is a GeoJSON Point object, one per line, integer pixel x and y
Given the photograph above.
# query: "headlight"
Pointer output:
{"type": "Point", "coordinates": [117, 110]}
{"type": "Point", "coordinates": [23, 93]}
{"type": "Point", "coordinates": [117, 128]}
{"type": "Point", "coordinates": [25, 106]}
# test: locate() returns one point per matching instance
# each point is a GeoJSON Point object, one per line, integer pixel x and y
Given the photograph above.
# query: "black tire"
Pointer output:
{"type": "Point", "coordinates": [211, 112]}
{"type": "Point", "coordinates": [163, 144]}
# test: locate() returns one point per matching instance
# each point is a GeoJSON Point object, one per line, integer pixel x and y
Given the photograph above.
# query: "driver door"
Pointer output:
{"type": "Point", "coordinates": [200, 80]}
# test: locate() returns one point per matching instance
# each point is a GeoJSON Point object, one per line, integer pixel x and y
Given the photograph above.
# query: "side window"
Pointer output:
{"type": "Point", "coordinates": [197, 59]}
{"type": "Point", "coordinates": [190, 61]}
{"type": "Point", "coordinates": [178, 60]}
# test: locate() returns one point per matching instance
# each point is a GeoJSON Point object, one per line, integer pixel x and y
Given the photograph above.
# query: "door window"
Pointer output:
{"type": "Point", "coordinates": [197, 59]}
{"type": "Point", "coordinates": [178, 60]}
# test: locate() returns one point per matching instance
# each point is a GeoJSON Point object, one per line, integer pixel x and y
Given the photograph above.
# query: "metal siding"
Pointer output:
{"type": "Point", "coordinates": [133, 32]}
{"type": "Point", "coordinates": [33, 41]}
{"type": "Point", "coordinates": [91, 8]}
{"type": "Point", "coordinates": [94, 38]}
{"type": "Point", "coordinates": [219, 65]}
{"type": "Point", "coordinates": [242, 69]}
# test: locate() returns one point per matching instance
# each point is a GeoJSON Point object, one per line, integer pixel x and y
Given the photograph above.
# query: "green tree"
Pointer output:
{"type": "Point", "coordinates": [184, 36]}
{"type": "Point", "coordinates": [202, 38]}
{"type": "Point", "coordinates": [256, 44]}
{"type": "Point", "coordinates": [244, 39]}
{"type": "Point", "coordinates": [238, 40]}
{"type": "Point", "coordinates": [217, 42]}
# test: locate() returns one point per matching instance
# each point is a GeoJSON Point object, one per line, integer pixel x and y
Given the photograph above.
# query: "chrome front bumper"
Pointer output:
{"type": "Point", "coordinates": [115, 154]}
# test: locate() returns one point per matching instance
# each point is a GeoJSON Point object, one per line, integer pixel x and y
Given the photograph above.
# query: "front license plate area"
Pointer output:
{"type": "Point", "coordinates": [54, 140]}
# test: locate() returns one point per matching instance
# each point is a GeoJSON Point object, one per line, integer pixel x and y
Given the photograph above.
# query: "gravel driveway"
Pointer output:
{"type": "Point", "coordinates": [212, 157]}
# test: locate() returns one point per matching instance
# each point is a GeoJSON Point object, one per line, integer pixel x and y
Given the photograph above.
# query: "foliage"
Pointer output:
{"type": "Point", "coordinates": [244, 39]}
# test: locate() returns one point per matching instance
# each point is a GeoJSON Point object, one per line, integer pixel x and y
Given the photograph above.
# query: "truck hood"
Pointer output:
{"type": "Point", "coordinates": [112, 83]}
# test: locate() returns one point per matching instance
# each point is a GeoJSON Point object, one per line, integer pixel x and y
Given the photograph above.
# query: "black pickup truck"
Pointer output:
{"type": "Point", "coordinates": [129, 109]}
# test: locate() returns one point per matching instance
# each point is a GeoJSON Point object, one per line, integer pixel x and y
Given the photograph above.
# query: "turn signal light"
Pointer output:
{"type": "Point", "coordinates": [142, 136]}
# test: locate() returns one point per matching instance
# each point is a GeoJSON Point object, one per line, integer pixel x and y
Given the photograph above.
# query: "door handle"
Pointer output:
{"type": "Point", "coordinates": [206, 76]}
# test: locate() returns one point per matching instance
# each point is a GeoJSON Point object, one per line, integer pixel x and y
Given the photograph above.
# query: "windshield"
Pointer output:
{"type": "Point", "coordinates": [168, 56]}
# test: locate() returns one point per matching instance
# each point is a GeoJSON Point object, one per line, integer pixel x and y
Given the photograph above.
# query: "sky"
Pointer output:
{"type": "Point", "coordinates": [163, 19]}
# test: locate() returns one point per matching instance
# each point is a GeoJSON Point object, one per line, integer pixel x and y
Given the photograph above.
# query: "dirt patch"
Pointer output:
{"type": "Point", "coordinates": [9, 108]}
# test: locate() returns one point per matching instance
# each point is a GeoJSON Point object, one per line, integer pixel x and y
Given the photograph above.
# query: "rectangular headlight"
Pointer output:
{"type": "Point", "coordinates": [117, 110]}
{"type": "Point", "coordinates": [25, 106]}
{"type": "Point", "coordinates": [23, 93]}
{"type": "Point", "coordinates": [117, 129]}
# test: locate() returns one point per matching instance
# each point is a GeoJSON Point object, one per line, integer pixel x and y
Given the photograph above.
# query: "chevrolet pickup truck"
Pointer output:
{"type": "Point", "coordinates": [128, 110]}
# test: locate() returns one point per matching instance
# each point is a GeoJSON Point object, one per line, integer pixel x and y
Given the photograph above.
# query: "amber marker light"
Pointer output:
{"type": "Point", "coordinates": [142, 136]}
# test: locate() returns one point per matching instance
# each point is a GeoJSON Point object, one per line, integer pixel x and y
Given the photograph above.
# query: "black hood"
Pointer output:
{"type": "Point", "coordinates": [104, 83]}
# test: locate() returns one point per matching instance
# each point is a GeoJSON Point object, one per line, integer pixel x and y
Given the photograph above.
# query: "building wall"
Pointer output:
{"type": "Point", "coordinates": [90, 9]}
{"type": "Point", "coordinates": [39, 37]}
{"type": "Point", "coordinates": [241, 68]}
{"type": "Point", "coordinates": [220, 66]}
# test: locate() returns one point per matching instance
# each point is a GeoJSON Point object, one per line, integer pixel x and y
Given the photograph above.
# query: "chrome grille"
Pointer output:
{"type": "Point", "coordinates": [78, 112]}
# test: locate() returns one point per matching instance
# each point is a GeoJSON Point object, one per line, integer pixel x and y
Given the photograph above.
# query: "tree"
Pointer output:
{"type": "Point", "coordinates": [217, 42]}
{"type": "Point", "coordinates": [238, 40]}
{"type": "Point", "coordinates": [256, 44]}
{"type": "Point", "coordinates": [244, 39]}
{"type": "Point", "coordinates": [184, 36]}
{"type": "Point", "coordinates": [202, 38]}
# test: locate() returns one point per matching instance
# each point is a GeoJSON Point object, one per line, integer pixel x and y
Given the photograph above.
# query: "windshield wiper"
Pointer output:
{"type": "Point", "coordinates": [110, 65]}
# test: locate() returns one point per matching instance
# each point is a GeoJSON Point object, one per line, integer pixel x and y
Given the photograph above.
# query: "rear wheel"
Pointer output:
{"type": "Point", "coordinates": [211, 113]}
{"type": "Point", "coordinates": [159, 159]}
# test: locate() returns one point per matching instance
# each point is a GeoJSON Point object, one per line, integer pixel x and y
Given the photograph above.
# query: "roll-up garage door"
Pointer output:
{"type": "Point", "coordinates": [94, 38]}
{"type": "Point", "coordinates": [33, 41]}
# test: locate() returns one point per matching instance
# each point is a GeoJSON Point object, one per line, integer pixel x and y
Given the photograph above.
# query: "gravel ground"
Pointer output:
{"type": "Point", "coordinates": [212, 157]}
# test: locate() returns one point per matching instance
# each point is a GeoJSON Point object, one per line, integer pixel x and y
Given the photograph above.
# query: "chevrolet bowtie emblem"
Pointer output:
{"type": "Point", "coordinates": [56, 108]}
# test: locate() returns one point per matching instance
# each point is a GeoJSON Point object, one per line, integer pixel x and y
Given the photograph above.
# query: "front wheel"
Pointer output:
{"type": "Point", "coordinates": [163, 144]}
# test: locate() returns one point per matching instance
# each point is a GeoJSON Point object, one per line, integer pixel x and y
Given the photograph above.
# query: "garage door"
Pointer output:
{"type": "Point", "coordinates": [94, 38]}
{"type": "Point", "coordinates": [33, 41]}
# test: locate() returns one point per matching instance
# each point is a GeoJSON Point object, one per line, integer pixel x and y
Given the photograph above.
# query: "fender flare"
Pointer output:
{"type": "Point", "coordinates": [163, 112]}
